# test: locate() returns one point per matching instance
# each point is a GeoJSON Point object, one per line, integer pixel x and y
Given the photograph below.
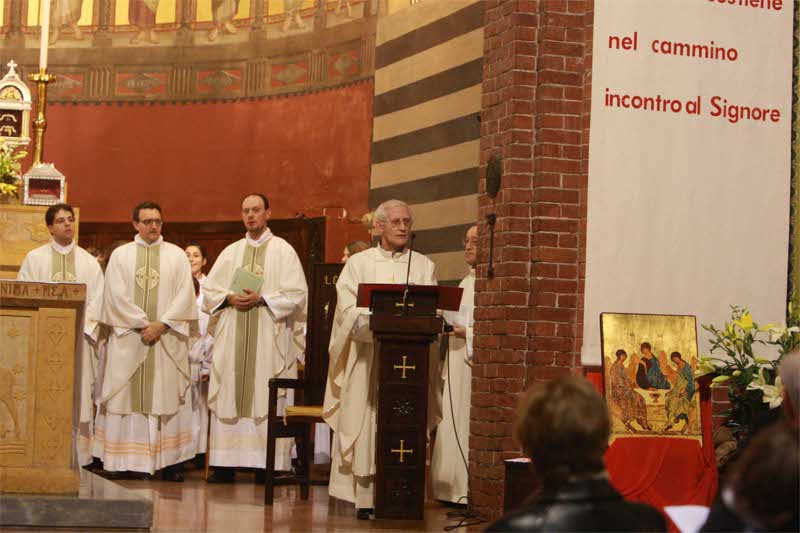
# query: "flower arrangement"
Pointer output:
{"type": "Point", "coordinates": [9, 170]}
{"type": "Point", "coordinates": [754, 387]}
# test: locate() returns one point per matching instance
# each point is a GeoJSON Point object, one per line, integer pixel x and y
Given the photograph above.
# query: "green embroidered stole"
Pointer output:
{"type": "Point", "coordinates": [247, 337]}
{"type": "Point", "coordinates": [145, 295]}
{"type": "Point", "coordinates": [62, 266]}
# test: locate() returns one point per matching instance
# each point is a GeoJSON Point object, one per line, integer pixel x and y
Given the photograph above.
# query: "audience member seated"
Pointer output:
{"type": "Point", "coordinates": [728, 512]}
{"type": "Point", "coordinates": [764, 486]}
{"type": "Point", "coordinates": [563, 426]}
{"type": "Point", "coordinates": [790, 376]}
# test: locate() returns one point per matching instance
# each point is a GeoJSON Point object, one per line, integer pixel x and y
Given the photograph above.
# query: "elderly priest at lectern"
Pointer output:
{"type": "Point", "coordinates": [350, 407]}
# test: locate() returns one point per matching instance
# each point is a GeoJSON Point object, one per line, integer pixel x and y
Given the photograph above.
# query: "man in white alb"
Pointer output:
{"type": "Point", "coordinates": [258, 335]}
{"type": "Point", "coordinates": [448, 469]}
{"type": "Point", "coordinates": [62, 260]}
{"type": "Point", "coordinates": [145, 418]}
{"type": "Point", "coordinates": [350, 395]}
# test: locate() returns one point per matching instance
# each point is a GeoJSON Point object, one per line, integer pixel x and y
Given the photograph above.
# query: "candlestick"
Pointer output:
{"type": "Point", "coordinates": [44, 22]}
{"type": "Point", "coordinates": [41, 78]}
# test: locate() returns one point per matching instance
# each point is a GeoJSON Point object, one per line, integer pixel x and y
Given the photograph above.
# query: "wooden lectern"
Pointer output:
{"type": "Point", "coordinates": [40, 326]}
{"type": "Point", "coordinates": [404, 324]}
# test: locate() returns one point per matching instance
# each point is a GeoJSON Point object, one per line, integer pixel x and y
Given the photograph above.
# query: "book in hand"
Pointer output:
{"type": "Point", "coordinates": [242, 279]}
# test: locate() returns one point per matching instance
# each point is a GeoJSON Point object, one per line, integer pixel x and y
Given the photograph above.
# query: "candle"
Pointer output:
{"type": "Point", "coordinates": [45, 24]}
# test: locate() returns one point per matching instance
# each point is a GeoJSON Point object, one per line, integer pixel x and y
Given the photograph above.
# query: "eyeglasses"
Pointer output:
{"type": "Point", "coordinates": [152, 222]}
{"type": "Point", "coordinates": [473, 242]}
{"type": "Point", "coordinates": [64, 220]}
{"type": "Point", "coordinates": [397, 222]}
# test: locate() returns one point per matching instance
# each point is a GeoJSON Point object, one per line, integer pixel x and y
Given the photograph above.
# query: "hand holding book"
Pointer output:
{"type": "Point", "coordinates": [244, 290]}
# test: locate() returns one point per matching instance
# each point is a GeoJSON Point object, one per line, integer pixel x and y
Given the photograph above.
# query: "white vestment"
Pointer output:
{"type": "Point", "coordinates": [350, 407]}
{"type": "Point", "coordinates": [54, 263]}
{"type": "Point", "coordinates": [200, 361]}
{"type": "Point", "coordinates": [448, 472]}
{"type": "Point", "coordinates": [252, 347]}
{"type": "Point", "coordinates": [145, 420]}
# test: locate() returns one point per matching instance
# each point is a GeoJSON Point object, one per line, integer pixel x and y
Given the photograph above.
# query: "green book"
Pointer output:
{"type": "Point", "coordinates": [242, 279]}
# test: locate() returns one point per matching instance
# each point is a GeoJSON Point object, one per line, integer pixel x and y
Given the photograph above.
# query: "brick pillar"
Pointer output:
{"type": "Point", "coordinates": [528, 318]}
{"type": "Point", "coordinates": [719, 406]}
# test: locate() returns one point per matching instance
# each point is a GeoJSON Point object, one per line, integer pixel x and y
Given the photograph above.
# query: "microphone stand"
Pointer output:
{"type": "Point", "coordinates": [408, 274]}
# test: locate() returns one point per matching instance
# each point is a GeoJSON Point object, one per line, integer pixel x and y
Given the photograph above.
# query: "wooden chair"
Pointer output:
{"type": "Point", "coordinates": [298, 423]}
{"type": "Point", "coordinates": [298, 420]}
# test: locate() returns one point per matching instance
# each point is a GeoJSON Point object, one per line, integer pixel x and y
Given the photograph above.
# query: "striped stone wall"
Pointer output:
{"type": "Point", "coordinates": [426, 130]}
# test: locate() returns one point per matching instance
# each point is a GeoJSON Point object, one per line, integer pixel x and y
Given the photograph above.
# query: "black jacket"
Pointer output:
{"type": "Point", "coordinates": [585, 505]}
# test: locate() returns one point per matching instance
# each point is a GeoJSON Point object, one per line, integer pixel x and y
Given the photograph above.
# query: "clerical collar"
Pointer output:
{"type": "Point", "coordinates": [472, 271]}
{"type": "Point", "coordinates": [142, 242]}
{"type": "Point", "coordinates": [267, 235]}
{"type": "Point", "coordinates": [62, 249]}
{"type": "Point", "coordinates": [391, 254]}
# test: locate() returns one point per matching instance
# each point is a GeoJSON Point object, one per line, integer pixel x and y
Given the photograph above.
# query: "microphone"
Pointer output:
{"type": "Point", "coordinates": [408, 272]}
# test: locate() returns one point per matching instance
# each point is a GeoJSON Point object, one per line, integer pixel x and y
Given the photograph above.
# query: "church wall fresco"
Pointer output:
{"type": "Point", "coordinates": [177, 50]}
{"type": "Point", "coordinates": [279, 101]}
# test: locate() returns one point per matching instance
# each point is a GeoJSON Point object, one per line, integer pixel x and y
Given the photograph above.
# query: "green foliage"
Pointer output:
{"type": "Point", "coordinates": [10, 167]}
{"type": "Point", "coordinates": [754, 388]}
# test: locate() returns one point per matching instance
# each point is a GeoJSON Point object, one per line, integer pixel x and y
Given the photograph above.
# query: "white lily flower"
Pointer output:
{"type": "Point", "coordinates": [778, 331]}
{"type": "Point", "coordinates": [703, 369]}
{"type": "Point", "coordinates": [771, 394]}
{"type": "Point", "coordinates": [758, 382]}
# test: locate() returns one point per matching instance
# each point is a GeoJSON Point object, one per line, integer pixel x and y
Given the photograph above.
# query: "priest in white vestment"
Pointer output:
{"type": "Point", "coordinates": [145, 418]}
{"type": "Point", "coordinates": [64, 261]}
{"type": "Point", "coordinates": [448, 469]}
{"type": "Point", "coordinates": [350, 407]}
{"type": "Point", "coordinates": [258, 335]}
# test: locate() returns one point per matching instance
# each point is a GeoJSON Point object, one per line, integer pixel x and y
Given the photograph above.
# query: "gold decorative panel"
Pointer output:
{"type": "Point", "coordinates": [648, 364]}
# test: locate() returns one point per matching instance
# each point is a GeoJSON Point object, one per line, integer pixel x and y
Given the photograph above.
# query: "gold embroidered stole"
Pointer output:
{"type": "Point", "coordinates": [62, 266]}
{"type": "Point", "coordinates": [145, 295]}
{"type": "Point", "coordinates": [247, 337]}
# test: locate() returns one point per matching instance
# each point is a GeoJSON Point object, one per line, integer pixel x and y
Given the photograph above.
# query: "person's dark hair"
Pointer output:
{"type": "Point", "coordinates": [620, 353]}
{"type": "Point", "coordinates": [673, 355]}
{"type": "Point", "coordinates": [196, 286]}
{"type": "Point", "coordinates": [145, 205]}
{"type": "Point", "coordinates": [199, 247]}
{"type": "Point", "coordinates": [563, 426]}
{"type": "Point", "coordinates": [50, 214]}
{"type": "Point", "coordinates": [646, 345]}
{"type": "Point", "coordinates": [765, 480]}
{"type": "Point", "coordinates": [264, 198]}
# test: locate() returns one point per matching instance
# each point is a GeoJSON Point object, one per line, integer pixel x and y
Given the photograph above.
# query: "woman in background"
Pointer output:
{"type": "Point", "coordinates": [200, 352]}
{"type": "Point", "coordinates": [352, 248]}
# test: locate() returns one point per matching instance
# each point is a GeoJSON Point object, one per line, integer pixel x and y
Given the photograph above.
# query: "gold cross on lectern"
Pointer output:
{"type": "Point", "coordinates": [402, 451]}
{"type": "Point", "coordinates": [403, 367]}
